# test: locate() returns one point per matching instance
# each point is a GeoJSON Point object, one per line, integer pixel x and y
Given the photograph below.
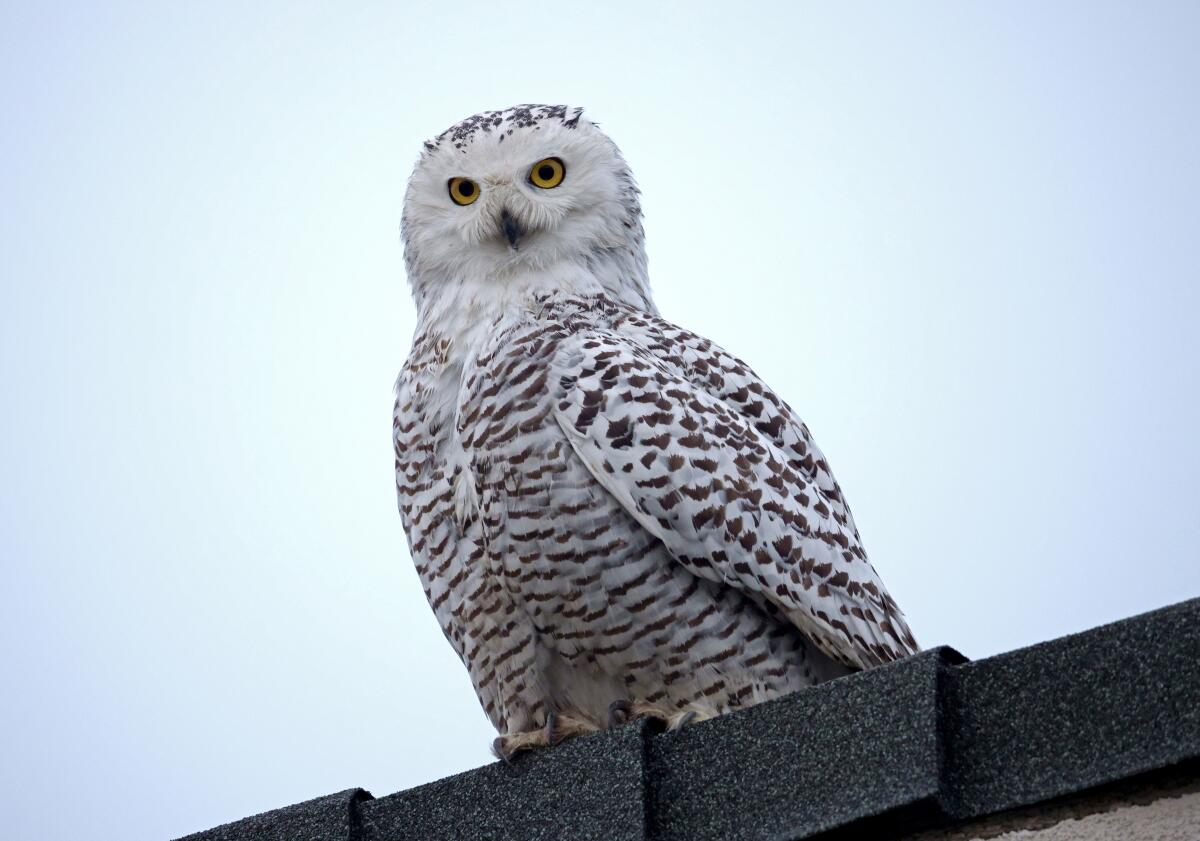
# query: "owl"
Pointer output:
{"type": "Point", "coordinates": [611, 516]}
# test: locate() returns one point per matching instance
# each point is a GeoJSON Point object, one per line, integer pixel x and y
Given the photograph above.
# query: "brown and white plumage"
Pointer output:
{"type": "Point", "coordinates": [603, 506]}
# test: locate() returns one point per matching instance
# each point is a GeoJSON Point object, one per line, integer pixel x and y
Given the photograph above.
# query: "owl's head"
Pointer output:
{"type": "Point", "coordinates": [532, 198]}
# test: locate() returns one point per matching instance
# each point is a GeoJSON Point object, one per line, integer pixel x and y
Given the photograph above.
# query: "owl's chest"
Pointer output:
{"type": "Point", "coordinates": [505, 426]}
{"type": "Point", "coordinates": [482, 405]}
{"type": "Point", "coordinates": [559, 543]}
{"type": "Point", "coordinates": [502, 449]}
{"type": "Point", "coordinates": [527, 476]}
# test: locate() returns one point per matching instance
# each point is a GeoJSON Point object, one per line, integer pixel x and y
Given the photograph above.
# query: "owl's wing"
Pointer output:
{"type": "Point", "coordinates": [711, 462]}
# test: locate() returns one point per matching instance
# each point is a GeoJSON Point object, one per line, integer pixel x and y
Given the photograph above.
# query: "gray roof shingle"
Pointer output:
{"type": "Point", "coordinates": [925, 742]}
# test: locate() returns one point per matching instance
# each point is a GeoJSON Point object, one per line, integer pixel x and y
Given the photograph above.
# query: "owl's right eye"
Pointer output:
{"type": "Point", "coordinates": [463, 191]}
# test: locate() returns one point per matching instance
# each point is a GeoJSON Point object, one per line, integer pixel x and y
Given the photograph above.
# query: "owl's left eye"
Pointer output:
{"type": "Point", "coordinates": [463, 191]}
{"type": "Point", "coordinates": [547, 173]}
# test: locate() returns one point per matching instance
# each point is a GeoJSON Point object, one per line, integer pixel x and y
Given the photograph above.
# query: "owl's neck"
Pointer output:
{"type": "Point", "coordinates": [462, 307]}
{"type": "Point", "coordinates": [455, 305]}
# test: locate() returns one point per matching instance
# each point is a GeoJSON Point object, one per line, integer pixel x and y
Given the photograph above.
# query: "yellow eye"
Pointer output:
{"type": "Point", "coordinates": [463, 191]}
{"type": "Point", "coordinates": [547, 173]}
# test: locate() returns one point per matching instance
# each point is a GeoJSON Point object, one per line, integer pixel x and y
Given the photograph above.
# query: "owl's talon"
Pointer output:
{"type": "Point", "coordinates": [618, 712]}
{"type": "Point", "coordinates": [556, 728]}
{"type": "Point", "coordinates": [499, 751]}
{"type": "Point", "coordinates": [686, 719]}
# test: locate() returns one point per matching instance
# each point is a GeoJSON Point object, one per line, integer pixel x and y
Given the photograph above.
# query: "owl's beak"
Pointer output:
{"type": "Point", "coordinates": [511, 227]}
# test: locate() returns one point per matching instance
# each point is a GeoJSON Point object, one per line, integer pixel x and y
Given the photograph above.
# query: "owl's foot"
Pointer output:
{"type": "Point", "coordinates": [621, 712]}
{"type": "Point", "coordinates": [558, 727]}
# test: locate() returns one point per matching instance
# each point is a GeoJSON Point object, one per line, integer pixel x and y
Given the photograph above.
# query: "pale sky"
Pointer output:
{"type": "Point", "coordinates": [959, 238]}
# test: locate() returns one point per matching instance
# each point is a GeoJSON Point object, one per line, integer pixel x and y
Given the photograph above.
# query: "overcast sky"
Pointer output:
{"type": "Point", "coordinates": [963, 239]}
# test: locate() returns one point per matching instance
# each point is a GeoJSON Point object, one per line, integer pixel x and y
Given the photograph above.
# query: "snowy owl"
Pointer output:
{"type": "Point", "coordinates": [610, 515]}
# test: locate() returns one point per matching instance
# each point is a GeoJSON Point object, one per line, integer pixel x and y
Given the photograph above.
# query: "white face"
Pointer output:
{"type": "Point", "coordinates": [525, 189]}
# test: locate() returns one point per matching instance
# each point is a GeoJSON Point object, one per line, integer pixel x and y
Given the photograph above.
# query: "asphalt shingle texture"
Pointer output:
{"type": "Point", "coordinates": [1074, 713]}
{"type": "Point", "coordinates": [925, 742]}
{"type": "Point", "coordinates": [590, 788]}
{"type": "Point", "coordinates": [334, 816]}
{"type": "Point", "coordinates": [815, 760]}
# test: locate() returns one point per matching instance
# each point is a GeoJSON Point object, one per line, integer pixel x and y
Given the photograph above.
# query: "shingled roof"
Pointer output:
{"type": "Point", "coordinates": [928, 742]}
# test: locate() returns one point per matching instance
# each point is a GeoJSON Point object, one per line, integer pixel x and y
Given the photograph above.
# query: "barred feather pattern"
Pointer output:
{"type": "Point", "coordinates": [602, 505]}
